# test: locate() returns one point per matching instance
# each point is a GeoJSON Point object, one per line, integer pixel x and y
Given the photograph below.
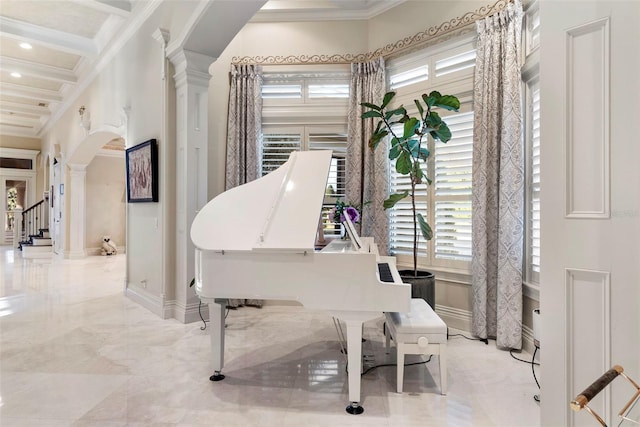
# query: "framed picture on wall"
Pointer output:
{"type": "Point", "coordinates": [142, 172]}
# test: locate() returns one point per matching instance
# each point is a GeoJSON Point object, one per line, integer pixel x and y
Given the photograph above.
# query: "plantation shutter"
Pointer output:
{"type": "Point", "coordinates": [337, 142]}
{"type": "Point", "coordinates": [281, 91]}
{"type": "Point", "coordinates": [534, 208]}
{"type": "Point", "coordinates": [335, 190]}
{"type": "Point", "coordinates": [401, 224]}
{"type": "Point", "coordinates": [452, 186]}
{"type": "Point", "coordinates": [276, 148]}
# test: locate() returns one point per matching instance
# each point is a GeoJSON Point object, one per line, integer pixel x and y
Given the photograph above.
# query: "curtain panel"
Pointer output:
{"type": "Point", "coordinates": [498, 180]}
{"type": "Point", "coordinates": [243, 134]}
{"type": "Point", "coordinates": [367, 171]}
{"type": "Point", "coordinates": [244, 125]}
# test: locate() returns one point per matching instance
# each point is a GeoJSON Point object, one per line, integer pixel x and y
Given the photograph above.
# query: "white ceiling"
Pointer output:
{"type": "Point", "coordinates": [69, 36]}
{"type": "Point", "coordinates": [66, 38]}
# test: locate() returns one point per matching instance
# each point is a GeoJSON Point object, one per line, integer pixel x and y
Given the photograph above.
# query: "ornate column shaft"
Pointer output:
{"type": "Point", "coordinates": [77, 211]}
{"type": "Point", "coordinates": [192, 85]}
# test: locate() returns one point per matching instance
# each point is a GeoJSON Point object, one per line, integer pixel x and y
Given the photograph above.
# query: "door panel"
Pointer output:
{"type": "Point", "coordinates": [590, 203]}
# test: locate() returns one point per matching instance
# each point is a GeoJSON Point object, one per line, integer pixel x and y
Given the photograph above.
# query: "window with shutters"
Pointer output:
{"type": "Point", "coordinates": [532, 249]}
{"type": "Point", "coordinates": [530, 78]}
{"type": "Point", "coordinates": [305, 108]}
{"type": "Point", "coordinates": [446, 203]}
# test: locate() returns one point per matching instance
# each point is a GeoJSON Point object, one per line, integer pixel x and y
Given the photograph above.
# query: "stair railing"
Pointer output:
{"type": "Point", "coordinates": [33, 220]}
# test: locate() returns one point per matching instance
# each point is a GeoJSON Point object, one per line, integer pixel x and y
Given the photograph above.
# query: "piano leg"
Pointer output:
{"type": "Point", "coordinates": [216, 318]}
{"type": "Point", "coordinates": [354, 359]}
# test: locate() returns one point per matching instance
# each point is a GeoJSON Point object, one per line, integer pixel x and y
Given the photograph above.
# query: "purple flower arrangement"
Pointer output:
{"type": "Point", "coordinates": [337, 213]}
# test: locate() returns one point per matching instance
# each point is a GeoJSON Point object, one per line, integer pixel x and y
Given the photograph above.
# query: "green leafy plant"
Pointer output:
{"type": "Point", "coordinates": [409, 148]}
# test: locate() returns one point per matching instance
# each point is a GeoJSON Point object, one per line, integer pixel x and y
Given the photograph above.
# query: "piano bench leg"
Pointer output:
{"type": "Point", "coordinates": [217, 376]}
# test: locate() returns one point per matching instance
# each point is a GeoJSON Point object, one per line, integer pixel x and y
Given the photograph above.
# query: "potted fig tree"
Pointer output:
{"type": "Point", "coordinates": [408, 147]}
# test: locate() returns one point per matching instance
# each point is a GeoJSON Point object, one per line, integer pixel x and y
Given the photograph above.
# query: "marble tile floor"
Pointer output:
{"type": "Point", "coordinates": [74, 351]}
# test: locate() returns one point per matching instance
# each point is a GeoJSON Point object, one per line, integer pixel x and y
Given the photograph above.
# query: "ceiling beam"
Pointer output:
{"type": "Point", "coordinates": [58, 40]}
{"type": "Point", "coordinates": [17, 107]}
{"type": "Point", "coordinates": [7, 129]}
{"type": "Point", "coordinates": [20, 121]}
{"type": "Point", "coordinates": [22, 91]}
{"type": "Point", "coordinates": [41, 71]}
{"type": "Point", "coordinates": [113, 7]}
{"type": "Point", "coordinates": [8, 115]}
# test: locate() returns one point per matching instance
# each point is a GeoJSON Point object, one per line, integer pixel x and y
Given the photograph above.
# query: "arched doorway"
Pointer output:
{"type": "Point", "coordinates": [95, 192]}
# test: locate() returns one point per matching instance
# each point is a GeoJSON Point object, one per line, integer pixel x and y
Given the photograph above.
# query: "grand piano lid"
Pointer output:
{"type": "Point", "coordinates": [278, 212]}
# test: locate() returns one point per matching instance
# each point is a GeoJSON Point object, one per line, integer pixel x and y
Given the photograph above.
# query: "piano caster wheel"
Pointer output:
{"type": "Point", "coordinates": [217, 376]}
{"type": "Point", "coordinates": [354, 408]}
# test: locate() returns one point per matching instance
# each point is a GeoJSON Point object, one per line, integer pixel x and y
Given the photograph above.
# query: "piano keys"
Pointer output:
{"type": "Point", "coordinates": [256, 241]}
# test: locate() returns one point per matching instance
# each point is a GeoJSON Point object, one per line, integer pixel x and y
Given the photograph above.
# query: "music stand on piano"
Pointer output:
{"type": "Point", "coordinates": [353, 234]}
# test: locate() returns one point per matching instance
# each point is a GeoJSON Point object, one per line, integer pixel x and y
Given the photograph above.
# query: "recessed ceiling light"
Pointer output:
{"type": "Point", "coordinates": [26, 45]}
{"type": "Point", "coordinates": [16, 75]}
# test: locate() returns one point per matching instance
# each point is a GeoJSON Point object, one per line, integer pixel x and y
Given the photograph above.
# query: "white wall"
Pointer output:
{"type": "Point", "coordinates": [106, 202]}
{"type": "Point", "coordinates": [132, 81]}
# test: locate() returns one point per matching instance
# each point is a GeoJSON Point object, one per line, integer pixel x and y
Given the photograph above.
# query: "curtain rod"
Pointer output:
{"type": "Point", "coordinates": [454, 27]}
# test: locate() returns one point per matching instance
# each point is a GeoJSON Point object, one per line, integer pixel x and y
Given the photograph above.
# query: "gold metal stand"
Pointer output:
{"type": "Point", "coordinates": [630, 413]}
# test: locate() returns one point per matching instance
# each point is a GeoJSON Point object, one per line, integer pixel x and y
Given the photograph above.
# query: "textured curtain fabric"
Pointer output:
{"type": "Point", "coordinates": [367, 174]}
{"type": "Point", "coordinates": [243, 134]}
{"type": "Point", "coordinates": [498, 180]}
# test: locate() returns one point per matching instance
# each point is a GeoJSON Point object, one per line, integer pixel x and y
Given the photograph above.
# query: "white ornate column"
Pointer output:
{"type": "Point", "coordinates": [77, 211]}
{"type": "Point", "coordinates": [192, 84]}
{"type": "Point", "coordinates": [17, 227]}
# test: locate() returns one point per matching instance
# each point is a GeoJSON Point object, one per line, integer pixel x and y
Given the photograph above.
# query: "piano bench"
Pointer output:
{"type": "Point", "coordinates": [421, 331]}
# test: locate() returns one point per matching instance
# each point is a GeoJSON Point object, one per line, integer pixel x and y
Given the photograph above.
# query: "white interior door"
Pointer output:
{"type": "Point", "coordinates": [590, 204]}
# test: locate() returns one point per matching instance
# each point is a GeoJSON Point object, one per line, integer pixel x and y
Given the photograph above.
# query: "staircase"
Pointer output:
{"type": "Point", "coordinates": [36, 241]}
{"type": "Point", "coordinates": [38, 245]}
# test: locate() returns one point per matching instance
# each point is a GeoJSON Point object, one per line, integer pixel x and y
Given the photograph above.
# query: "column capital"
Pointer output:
{"type": "Point", "coordinates": [161, 35]}
{"type": "Point", "coordinates": [191, 67]}
{"type": "Point", "coordinates": [76, 167]}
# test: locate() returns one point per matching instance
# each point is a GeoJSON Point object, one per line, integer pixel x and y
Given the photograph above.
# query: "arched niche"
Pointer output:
{"type": "Point", "coordinates": [87, 149]}
{"type": "Point", "coordinates": [88, 190]}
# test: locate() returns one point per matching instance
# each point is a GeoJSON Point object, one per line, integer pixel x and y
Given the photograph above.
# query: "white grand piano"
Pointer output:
{"type": "Point", "coordinates": [256, 241]}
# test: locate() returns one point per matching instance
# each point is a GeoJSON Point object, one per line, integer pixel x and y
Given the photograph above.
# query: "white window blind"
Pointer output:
{"type": "Point", "coordinates": [452, 185]}
{"type": "Point", "coordinates": [276, 148]}
{"type": "Point", "coordinates": [455, 63]}
{"type": "Point", "coordinates": [449, 194]}
{"type": "Point", "coordinates": [328, 90]}
{"type": "Point", "coordinates": [446, 203]}
{"type": "Point", "coordinates": [281, 91]}
{"type": "Point", "coordinates": [337, 143]}
{"type": "Point", "coordinates": [405, 78]}
{"type": "Point", "coordinates": [533, 161]}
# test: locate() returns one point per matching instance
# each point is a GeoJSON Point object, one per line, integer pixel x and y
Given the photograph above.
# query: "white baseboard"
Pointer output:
{"type": "Point", "coordinates": [455, 317]}
{"type": "Point", "coordinates": [461, 319]}
{"type": "Point", "coordinates": [188, 313]}
{"type": "Point", "coordinates": [153, 303]}
{"type": "Point", "coordinates": [166, 309]}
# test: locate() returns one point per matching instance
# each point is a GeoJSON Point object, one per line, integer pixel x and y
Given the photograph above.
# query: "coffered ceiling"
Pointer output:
{"type": "Point", "coordinates": [49, 48]}
{"type": "Point", "coordinates": [46, 49]}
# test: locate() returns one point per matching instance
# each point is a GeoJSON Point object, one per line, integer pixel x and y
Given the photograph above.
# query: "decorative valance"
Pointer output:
{"type": "Point", "coordinates": [454, 27]}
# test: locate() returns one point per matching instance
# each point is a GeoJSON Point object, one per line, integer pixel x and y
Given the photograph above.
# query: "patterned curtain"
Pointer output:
{"type": "Point", "coordinates": [367, 174]}
{"type": "Point", "coordinates": [498, 180]}
{"type": "Point", "coordinates": [243, 134]}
